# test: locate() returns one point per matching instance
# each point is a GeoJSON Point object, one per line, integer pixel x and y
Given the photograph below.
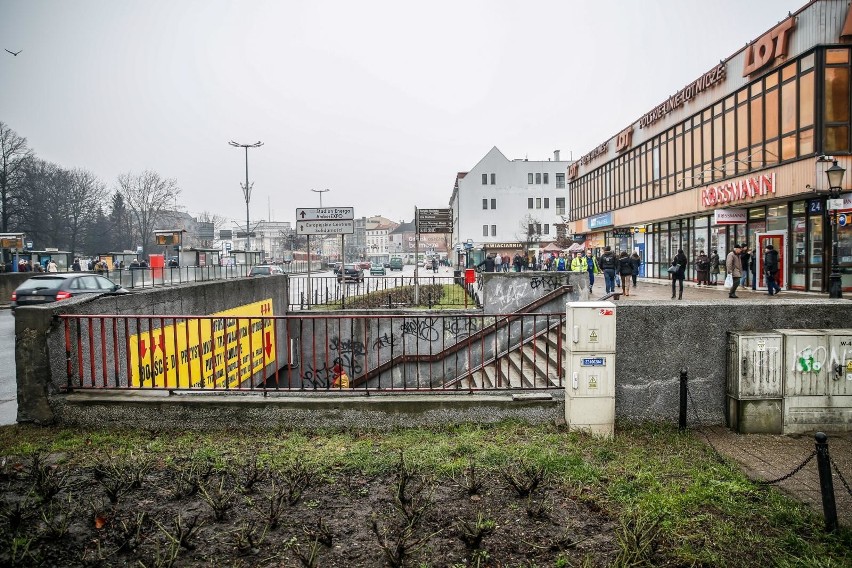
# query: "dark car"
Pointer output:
{"type": "Point", "coordinates": [55, 287]}
{"type": "Point", "coordinates": [396, 263]}
{"type": "Point", "coordinates": [351, 273]}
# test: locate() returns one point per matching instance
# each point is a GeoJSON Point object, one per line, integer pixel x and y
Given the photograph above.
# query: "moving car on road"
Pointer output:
{"type": "Point", "coordinates": [266, 270]}
{"type": "Point", "coordinates": [351, 273]}
{"type": "Point", "coordinates": [377, 270]}
{"type": "Point", "coordinates": [56, 286]}
{"type": "Point", "coordinates": [396, 263]}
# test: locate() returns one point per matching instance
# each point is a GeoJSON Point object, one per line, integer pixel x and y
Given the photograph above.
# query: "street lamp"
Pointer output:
{"type": "Point", "coordinates": [320, 191]}
{"type": "Point", "coordinates": [247, 188]}
{"type": "Point", "coordinates": [835, 182]}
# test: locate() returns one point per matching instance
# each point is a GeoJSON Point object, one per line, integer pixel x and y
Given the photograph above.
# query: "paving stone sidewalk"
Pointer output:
{"type": "Point", "coordinates": [766, 456]}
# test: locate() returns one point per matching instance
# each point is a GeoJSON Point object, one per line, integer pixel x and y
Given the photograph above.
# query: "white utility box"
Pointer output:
{"type": "Point", "coordinates": [819, 381]}
{"type": "Point", "coordinates": [590, 385]}
{"type": "Point", "coordinates": [755, 390]}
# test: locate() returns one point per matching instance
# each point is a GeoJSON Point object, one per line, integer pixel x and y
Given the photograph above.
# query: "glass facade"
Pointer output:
{"type": "Point", "coordinates": [797, 110]}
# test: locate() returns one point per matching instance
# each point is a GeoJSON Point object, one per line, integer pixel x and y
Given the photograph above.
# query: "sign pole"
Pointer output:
{"type": "Point", "coordinates": [309, 272]}
{"type": "Point", "coordinates": [416, 260]}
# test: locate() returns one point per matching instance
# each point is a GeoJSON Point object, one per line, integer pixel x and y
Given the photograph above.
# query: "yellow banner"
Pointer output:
{"type": "Point", "coordinates": [205, 353]}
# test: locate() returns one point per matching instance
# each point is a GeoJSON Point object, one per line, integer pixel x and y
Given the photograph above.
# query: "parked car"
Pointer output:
{"type": "Point", "coordinates": [386, 264]}
{"type": "Point", "coordinates": [351, 273]}
{"type": "Point", "coordinates": [377, 269]}
{"type": "Point", "coordinates": [57, 286]}
{"type": "Point", "coordinates": [396, 263]}
{"type": "Point", "coordinates": [365, 265]}
{"type": "Point", "coordinates": [266, 270]}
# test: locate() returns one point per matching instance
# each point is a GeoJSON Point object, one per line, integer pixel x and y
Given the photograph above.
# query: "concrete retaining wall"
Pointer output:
{"type": "Point", "coordinates": [9, 281]}
{"type": "Point", "coordinates": [507, 292]}
{"type": "Point", "coordinates": [655, 341]}
{"type": "Point", "coordinates": [40, 339]}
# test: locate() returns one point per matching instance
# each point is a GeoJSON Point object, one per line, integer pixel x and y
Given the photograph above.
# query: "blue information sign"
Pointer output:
{"type": "Point", "coordinates": [593, 362]}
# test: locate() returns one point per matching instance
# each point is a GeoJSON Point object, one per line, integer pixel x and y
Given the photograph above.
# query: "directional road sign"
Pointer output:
{"type": "Point", "coordinates": [434, 220]}
{"type": "Point", "coordinates": [325, 213]}
{"type": "Point", "coordinates": [345, 227]}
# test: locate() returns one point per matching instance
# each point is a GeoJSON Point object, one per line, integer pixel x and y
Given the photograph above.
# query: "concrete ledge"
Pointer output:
{"type": "Point", "coordinates": [161, 410]}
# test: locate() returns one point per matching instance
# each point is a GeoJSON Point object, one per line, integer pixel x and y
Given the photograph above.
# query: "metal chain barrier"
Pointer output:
{"type": "Point", "coordinates": [792, 473]}
{"type": "Point", "coordinates": [840, 476]}
{"type": "Point", "coordinates": [721, 459]}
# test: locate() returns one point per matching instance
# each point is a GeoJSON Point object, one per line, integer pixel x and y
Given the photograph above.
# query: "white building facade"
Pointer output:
{"type": "Point", "coordinates": [506, 206]}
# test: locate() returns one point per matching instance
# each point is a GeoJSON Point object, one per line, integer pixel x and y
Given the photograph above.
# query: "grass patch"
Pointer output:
{"type": "Point", "coordinates": [667, 501]}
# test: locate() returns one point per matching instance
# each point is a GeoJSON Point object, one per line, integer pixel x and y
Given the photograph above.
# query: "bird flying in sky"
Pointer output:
{"type": "Point", "coordinates": [15, 53]}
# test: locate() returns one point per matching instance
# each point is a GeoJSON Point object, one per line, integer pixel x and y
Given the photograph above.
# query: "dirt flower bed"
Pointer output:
{"type": "Point", "coordinates": [508, 495]}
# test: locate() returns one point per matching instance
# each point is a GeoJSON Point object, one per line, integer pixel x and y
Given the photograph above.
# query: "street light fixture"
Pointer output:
{"type": "Point", "coordinates": [320, 191]}
{"type": "Point", "coordinates": [247, 188]}
{"type": "Point", "coordinates": [835, 183]}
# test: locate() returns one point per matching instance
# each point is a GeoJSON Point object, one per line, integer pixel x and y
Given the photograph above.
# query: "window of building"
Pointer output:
{"type": "Point", "coordinates": [546, 178]}
{"type": "Point", "coordinates": [529, 179]}
{"type": "Point", "coordinates": [484, 230]}
{"type": "Point", "coordinates": [836, 101]}
{"type": "Point", "coordinates": [485, 204]}
{"type": "Point", "coordinates": [560, 181]}
{"type": "Point", "coordinates": [538, 202]}
{"type": "Point", "coordinates": [493, 179]}
{"type": "Point", "coordinates": [493, 203]}
{"type": "Point", "coordinates": [484, 179]}
{"type": "Point", "coordinates": [531, 229]}
{"type": "Point", "coordinates": [546, 229]}
{"type": "Point", "coordinates": [538, 179]}
{"type": "Point", "coordinates": [493, 230]}
{"type": "Point", "coordinates": [560, 206]}
{"type": "Point", "coordinates": [529, 203]}
{"type": "Point", "coordinates": [547, 203]}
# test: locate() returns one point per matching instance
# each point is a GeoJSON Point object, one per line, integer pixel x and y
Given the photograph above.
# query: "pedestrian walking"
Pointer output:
{"type": "Point", "coordinates": [702, 269]}
{"type": "Point", "coordinates": [714, 268]}
{"type": "Point", "coordinates": [636, 262]}
{"type": "Point", "coordinates": [487, 265]}
{"type": "Point", "coordinates": [771, 266]}
{"type": "Point", "coordinates": [51, 266]}
{"type": "Point", "coordinates": [592, 268]}
{"type": "Point", "coordinates": [734, 268]}
{"type": "Point", "coordinates": [625, 270]}
{"type": "Point", "coordinates": [608, 264]}
{"type": "Point", "coordinates": [745, 261]}
{"type": "Point", "coordinates": [578, 263]}
{"type": "Point", "coordinates": [679, 263]}
{"type": "Point", "coordinates": [76, 265]}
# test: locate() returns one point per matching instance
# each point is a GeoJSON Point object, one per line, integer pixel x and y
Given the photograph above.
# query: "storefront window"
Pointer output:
{"type": "Point", "coordinates": [799, 244]}
{"type": "Point", "coordinates": [815, 231]}
{"type": "Point", "coordinates": [776, 218]}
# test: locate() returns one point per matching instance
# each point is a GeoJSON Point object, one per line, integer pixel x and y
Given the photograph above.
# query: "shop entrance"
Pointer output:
{"type": "Point", "coordinates": [778, 239]}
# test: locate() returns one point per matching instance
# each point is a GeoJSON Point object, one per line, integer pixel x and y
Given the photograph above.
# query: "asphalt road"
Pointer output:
{"type": "Point", "coordinates": [8, 383]}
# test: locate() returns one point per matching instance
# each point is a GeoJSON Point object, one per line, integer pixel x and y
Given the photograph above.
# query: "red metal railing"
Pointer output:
{"type": "Point", "coordinates": [432, 352]}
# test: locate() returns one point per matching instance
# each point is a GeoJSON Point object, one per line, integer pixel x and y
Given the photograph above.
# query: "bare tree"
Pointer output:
{"type": "Point", "coordinates": [529, 232]}
{"type": "Point", "coordinates": [147, 196]}
{"type": "Point", "coordinates": [42, 200]}
{"type": "Point", "coordinates": [85, 196]}
{"type": "Point", "coordinates": [14, 155]}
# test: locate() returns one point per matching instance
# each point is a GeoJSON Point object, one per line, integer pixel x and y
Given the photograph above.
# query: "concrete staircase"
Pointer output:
{"type": "Point", "coordinates": [536, 363]}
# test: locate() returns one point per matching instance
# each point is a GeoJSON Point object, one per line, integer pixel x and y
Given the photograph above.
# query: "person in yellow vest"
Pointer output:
{"type": "Point", "coordinates": [341, 379]}
{"type": "Point", "coordinates": [578, 263]}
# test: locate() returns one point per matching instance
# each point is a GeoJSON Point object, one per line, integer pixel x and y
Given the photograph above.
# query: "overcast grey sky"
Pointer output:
{"type": "Point", "coordinates": [381, 102]}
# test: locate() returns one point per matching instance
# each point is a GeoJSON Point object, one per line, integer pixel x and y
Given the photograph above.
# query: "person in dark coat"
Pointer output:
{"type": "Point", "coordinates": [625, 270]}
{"type": "Point", "coordinates": [702, 269]}
{"type": "Point", "coordinates": [608, 264]}
{"type": "Point", "coordinates": [714, 268]}
{"type": "Point", "coordinates": [678, 275]}
{"type": "Point", "coordinates": [636, 262]}
{"type": "Point", "coordinates": [487, 265]}
{"type": "Point", "coordinates": [771, 267]}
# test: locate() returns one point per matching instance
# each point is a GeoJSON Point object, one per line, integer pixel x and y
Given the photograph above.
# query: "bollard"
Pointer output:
{"type": "Point", "coordinates": [681, 423]}
{"type": "Point", "coordinates": [390, 304]}
{"type": "Point", "coordinates": [826, 485]}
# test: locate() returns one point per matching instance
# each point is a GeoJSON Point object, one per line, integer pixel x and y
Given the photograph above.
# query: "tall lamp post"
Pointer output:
{"type": "Point", "coordinates": [320, 191]}
{"type": "Point", "coordinates": [247, 188]}
{"type": "Point", "coordinates": [835, 183]}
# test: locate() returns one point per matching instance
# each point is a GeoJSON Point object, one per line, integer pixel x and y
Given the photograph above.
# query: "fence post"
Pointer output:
{"type": "Point", "coordinates": [389, 302]}
{"type": "Point", "coordinates": [681, 423]}
{"type": "Point", "coordinates": [826, 485]}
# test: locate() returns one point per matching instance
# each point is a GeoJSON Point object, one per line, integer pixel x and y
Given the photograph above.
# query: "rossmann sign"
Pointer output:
{"type": "Point", "coordinates": [738, 191]}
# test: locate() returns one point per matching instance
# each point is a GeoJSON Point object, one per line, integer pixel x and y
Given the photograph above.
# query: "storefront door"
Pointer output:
{"type": "Point", "coordinates": [778, 239]}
